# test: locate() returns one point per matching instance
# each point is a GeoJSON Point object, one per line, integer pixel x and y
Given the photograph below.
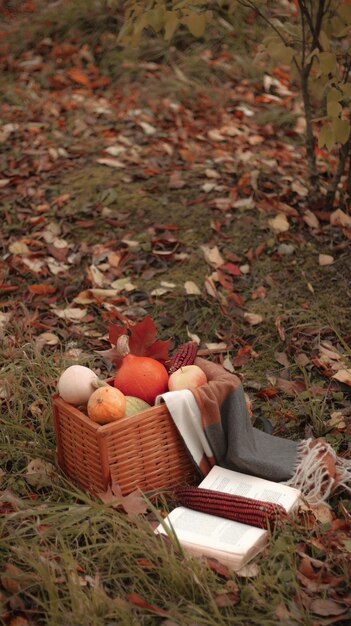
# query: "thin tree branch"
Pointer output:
{"type": "Point", "coordinates": [348, 183]}
{"type": "Point", "coordinates": [251, 5]}
{"type": "Point", "coordinates": [304, 12]}
{"type": "Point", "coordinates": [343, 154]}
{"type": "Point", "coordinates": [347, 70]}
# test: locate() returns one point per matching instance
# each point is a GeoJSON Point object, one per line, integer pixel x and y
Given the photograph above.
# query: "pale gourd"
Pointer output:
{"type": "Point", "coordinates": [135, 405]}
{"type": "Point", "coordinates": [76, 384]}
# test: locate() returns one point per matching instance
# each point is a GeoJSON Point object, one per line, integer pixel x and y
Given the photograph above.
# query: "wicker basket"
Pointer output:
{"type": "Point", "coordinates": [144, 450]}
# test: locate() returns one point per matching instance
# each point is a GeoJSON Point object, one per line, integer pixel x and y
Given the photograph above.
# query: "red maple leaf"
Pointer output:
{"type": "Point", "coordinates": [142, 340]}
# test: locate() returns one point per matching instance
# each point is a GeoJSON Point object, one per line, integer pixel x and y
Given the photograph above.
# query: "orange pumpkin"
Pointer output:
{"type": "Point", "coordinates": [106, 404]}
{"type": "Point", "coordinates": [140, 376]}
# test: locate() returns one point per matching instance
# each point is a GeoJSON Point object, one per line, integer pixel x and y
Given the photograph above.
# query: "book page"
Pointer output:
{"type": "Point", "coordinates": [211, 531]}
{"type": "Point", "coordinates": [229, 481]}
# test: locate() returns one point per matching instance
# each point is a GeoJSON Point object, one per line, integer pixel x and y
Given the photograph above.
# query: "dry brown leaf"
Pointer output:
{"type": "Point", "coordinates": [40, 473]}
{"type": "Point", "coordinates": [343, 376]}
{"type": "Point", "coordinates": [311, 585]}
{"type": "Point", "coordinates": [5, 390]}
{"type": "Point", "coordinates": [4, 319]}
{"type": "Point", "coordinates": [327, 607]}
{"type": "Point", "coordinates": [191, 288]}
{"type": "Point", "coordinates": [228, 365]}
{"type": "Point", "coordinates": [253, 318]}
{"type": "Point", "coordinates": [331, 354]}
{"type": "Point", "coordinates": [78, 76]}
{"type": "Point", "coordinates": [123, 284]}
{"type": "Point", "coordinates": [41, 289]}
{"type": "Point", "coordinates": [55, 267]}
{"type": "Point", "coordinates": [18, 247]}
{"type": "Point", "coordinates": [216, 566]}
{"type": "Point", "coordinates": [339, 218]}
{"type": "Point", "coordinates": [254, 140]}
{"type": "Point", "coordinates": [176, 181]}
{"type": "Point", "coordinates": [193, 337]}
{"type": "Point", "coordinates": [133, 503]}
{"type": "Point", "coordinates": [210, 173]}
{"type": "Point", "coordinates": [336, 421]}
{"type": "Point", "coordinates": [96, 276]}
{"type": "Point", "coordinates": [51, 232]}
{"type": "Point", "coordinates": [280, 223]}
{"type": "Point", "coordinates": [114, 259]}
{"type": "Point", "coordinates": [225, 598]}
{"type": "Point", "coordinates": [207, 187]}
{"type": "Point", "coordinates": [259, 293]}
{"type": "Point", "coordinates": [321, 512]}
{"type": "Point", "coordinates": [148, 129]}
{"type": "Point", "coordinates": [70, 314]}
{"type": "Point", "coordinates": [311, 219]}
{"type": "Point", "coordinates": [299, 188]}
{"type": "Point", "coordinates": [212, 255]}
{"type": "Point", "coordinates": [282, 358]}
{"type": "Point", "coordinates": [211, 287]}
{"type": "Point", "coordinates": [220, 346]}
{"type": "Point", "coordinates": [290, 387]}
{"type": "Point", "coordinates": [46, 339]}
{"type": "Point", "coordinates": [282, 613]}
{"type": "Point", "coordinates": [279, 326]}
{"type": "Point", "coordinates": [215, 135]}
{"type": "Point", "coordinates": [325, 259]}
{"type": "Point", "coordinates": [302, 359]}
{"type": "Point", "coordinates": [115, 150]}
{"type": "Point", "coordinates": [250, 570]}
{"type": "Point", "coordinates": [89, 296]}
{"type": "Point", "coordinates": [137, 600]}
{"type": "Point", "coordinates": [10, 578]}
{"type": "Point", "coordinates": [244, 203]}
{"type": "Point", "coordinates": [59, 248]}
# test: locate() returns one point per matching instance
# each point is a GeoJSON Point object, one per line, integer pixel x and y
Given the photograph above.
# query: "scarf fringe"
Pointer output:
{"type": "Point", "coordinates": [312, 476]}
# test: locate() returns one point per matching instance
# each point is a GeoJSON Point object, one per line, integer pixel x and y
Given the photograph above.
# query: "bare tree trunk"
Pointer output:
{"type": "Point", "coordinates": [344, 153]}
{"type": "Point", "coordinates": [310, 142]}
{"type": "Point", "coordinates": [348, 184]}
{"type": "Point", "coordinates": [333, 187]}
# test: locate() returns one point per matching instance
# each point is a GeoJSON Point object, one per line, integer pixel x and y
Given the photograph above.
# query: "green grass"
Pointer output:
{"type": "Point", "coordinates": [66, 558]}
{"type": "Point", "coordinates": [69, 559]}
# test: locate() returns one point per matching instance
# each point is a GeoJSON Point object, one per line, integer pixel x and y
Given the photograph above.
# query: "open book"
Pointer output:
{"type": "Point", "coordinates": [232, 543]}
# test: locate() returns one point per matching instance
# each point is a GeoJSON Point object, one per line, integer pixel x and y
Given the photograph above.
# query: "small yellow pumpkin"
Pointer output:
{"type": "Point", "coordinates": [106, 404]}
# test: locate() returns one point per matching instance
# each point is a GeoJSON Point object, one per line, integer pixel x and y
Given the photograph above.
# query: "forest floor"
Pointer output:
{"type": "Point", "coordinates": [169, 183]}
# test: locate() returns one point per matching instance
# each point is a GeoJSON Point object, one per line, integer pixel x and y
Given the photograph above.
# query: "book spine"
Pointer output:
{"type": "Point", "coordinates": [237, 508]}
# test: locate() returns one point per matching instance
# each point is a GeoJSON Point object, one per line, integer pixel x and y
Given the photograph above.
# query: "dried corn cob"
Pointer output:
{"type": "Point", "coordinates": [184, 355]}
{"type": "Point", "coordinates": [237, 508]}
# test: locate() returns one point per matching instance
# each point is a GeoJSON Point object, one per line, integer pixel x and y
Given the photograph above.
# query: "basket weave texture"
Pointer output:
{"type": "Point", "coordinates": [142, 451]}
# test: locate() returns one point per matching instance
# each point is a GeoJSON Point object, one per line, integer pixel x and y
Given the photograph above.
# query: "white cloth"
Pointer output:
{"type": "Point", "coordinates": [187, 418]}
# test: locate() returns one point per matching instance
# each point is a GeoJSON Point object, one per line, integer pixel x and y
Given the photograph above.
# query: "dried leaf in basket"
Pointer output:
{"type": "Point", "coordinates": [132, 504]}
{"type": "Point", "coordinates": [142, 340]}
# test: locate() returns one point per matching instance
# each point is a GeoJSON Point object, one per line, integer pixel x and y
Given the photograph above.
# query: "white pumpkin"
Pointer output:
{"type": "Point", "coordinates": [76, 384]}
